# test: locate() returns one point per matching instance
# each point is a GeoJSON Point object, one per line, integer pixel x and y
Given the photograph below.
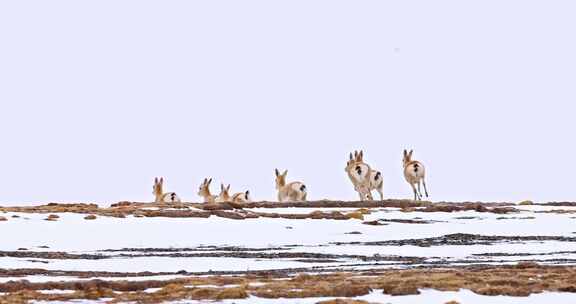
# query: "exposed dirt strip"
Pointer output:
{"type": "Point", "coordinates": [241, 211]}
{"type": "Point", "coordinates": [461, 239]}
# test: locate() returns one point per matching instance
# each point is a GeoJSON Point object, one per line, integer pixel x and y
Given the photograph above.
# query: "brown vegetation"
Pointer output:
{"type": "Point", "coordinates": [241, 211]}
{"type": "Point", "coordinates": [519, 281]}
{"type": "Point", "coordinates": [52, 217]}
{"type": "Point", "coordinates": [343, 301]}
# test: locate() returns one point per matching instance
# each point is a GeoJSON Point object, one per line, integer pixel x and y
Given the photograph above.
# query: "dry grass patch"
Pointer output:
{"type": "Point", "coordinates": [343, 301]}
{"type": "Point", "coordinates": [519, 281]}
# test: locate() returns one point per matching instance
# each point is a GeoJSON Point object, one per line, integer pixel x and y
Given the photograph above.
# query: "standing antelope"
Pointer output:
{"type": "Point", "coordinates": [376, 182]}
{"type": "Point", "coordinates": [159, 194]}
{"type": "Point", "coordinates": [204, 191]}
{"type": "Point", "coordinates": [363, 177]}
{"type": "Point", "coordinates": [414, 174]}
{"type": "Point", "coordinates": [294, 191]}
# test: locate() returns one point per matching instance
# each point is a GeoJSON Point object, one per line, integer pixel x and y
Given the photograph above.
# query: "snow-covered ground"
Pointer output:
{"type": "Point", "coordinates": [72, 233]}
{"type": "Point", "coordinates": [341, 238]}
{"type": "Point", "coordinates": [315, 236]}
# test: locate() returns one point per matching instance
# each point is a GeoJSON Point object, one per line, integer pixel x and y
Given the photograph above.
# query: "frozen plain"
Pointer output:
{"type": "Point", "coordinates": [171, 245]}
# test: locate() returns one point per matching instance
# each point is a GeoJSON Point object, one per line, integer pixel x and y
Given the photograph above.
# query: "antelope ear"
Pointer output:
{"type": "Point", "coordinates": [221, 187]}
{"type": "Point", "coordinates": [161, 180]}
{"type": "Point", "coordinates": [351, 156]}
{"type": "Point", "coordinates": [155, 180]}
{"type": "Point", "coordinates": [247, 193]}
{"type": "Point", "coordinates": [228, 188]}
{"type": "Point", "coordinates": [410, 154]}
{"type": "Point", "coordinates": [285, 173]}
{"type": "Point", "coordinates": [405, 152]}
{"type": "Point", "coordinates": [205, 181]}
{"type": "Point", "coordinates": [361, 155]}
{"type": "Point", "coordinates": [209, 181]}
{"type": "Point", "coordinates": [277, 172]}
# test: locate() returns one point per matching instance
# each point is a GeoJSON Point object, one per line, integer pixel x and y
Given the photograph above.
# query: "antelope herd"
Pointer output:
{"type": "Point", "coordinates": [363, 178]}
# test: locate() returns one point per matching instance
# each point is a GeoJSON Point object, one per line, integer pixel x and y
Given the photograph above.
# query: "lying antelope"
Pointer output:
{"type": "Point", "coordinates": [159, 194]}
{"type": "Point", "coordinates": [294, 191]}
{"type": "Point", "coordinates": [363, 177]}
{"type": "Point", "coordinates": [204, 191]}
{"type": "Point", "coordinates": [414, 173]}
{"type": "Point", "coordinates": [224, 196]}
{"type": "Point", "coordinates": [241, 197]}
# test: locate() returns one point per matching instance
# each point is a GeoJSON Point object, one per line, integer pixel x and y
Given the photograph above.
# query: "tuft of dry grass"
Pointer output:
{"type": "Point", "coordinates": [400, 289]}
{"type": "Point", "coordinates": [356, 215]}
{"type": "Point", "coordinates": [364, 211]}
{"type": "Point", "coordinates": [52, 217]}
{"type": "Point", "coordinates": [233, 293]}
{"type": "Point", "coordinates": [343, 301]}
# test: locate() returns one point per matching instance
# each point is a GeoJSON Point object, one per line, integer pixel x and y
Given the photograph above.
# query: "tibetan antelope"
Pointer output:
{"type": "Point", "coordinates": [159, 194]}
{"type": "Point", "coordinates": [241, 197]}
{"type": "Point", "coordinates": [224, 196]}
{"type": "Point", "coordinates": [364, 183]}
{"type": "Point", "coordinates": [294, 191]}
{"type": "Point", "coordinates": [204, 191]}
{"type": "Point", "coordinates": [414, 173]}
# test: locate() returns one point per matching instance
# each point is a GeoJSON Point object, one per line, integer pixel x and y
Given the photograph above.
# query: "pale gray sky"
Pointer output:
{"type": "Point", "coordinates": [98, 97]}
